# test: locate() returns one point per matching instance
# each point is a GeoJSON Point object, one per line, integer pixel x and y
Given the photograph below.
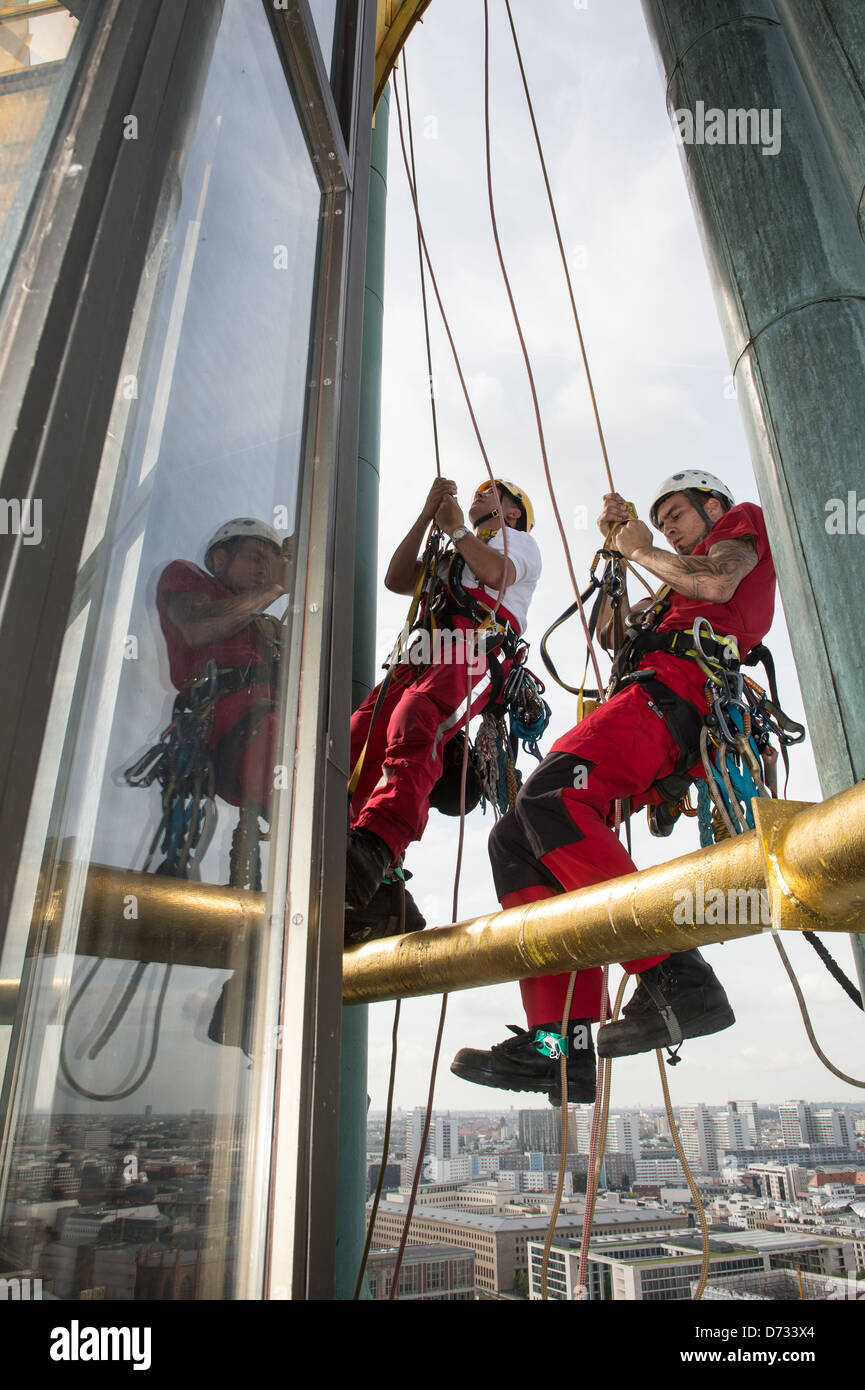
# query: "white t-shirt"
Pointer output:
{"type": "Point", "coordinates": [525, 557]}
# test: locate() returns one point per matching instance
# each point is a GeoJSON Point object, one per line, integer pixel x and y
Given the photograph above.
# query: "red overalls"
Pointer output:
{"type": "Point", "coordinates": [558, 836]}
{"type": "Point", "coordinates": [244, 720]}
{"type": "Point", "coordinates": [422, 710]}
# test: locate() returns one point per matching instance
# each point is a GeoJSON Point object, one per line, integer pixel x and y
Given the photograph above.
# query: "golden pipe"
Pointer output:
{"type": "Point", "coordinates": [152, 917]}
{"type": "Point", "coordinates": [394, 23]}
{"type": "Point", "coordinates": [809, 859]}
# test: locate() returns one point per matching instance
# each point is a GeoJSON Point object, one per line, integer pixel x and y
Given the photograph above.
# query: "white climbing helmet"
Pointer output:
{"type": "Point", "coordinates": [241, 526]}
{"type": "Point", "coordinates": [696, 478]}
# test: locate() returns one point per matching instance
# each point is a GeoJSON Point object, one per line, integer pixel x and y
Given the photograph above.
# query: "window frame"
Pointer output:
{"type": "Point", "coordinates": [66, 321]}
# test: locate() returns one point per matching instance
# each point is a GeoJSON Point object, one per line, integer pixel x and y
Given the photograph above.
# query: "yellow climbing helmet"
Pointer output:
{"type": "Point", "coordinates": [518, 495]}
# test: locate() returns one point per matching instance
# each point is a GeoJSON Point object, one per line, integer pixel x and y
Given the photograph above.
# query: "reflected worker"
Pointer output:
{"type": "Point", "coordinates": [220, 616]}
{"type": "Point", "coordinates": [224, 651]}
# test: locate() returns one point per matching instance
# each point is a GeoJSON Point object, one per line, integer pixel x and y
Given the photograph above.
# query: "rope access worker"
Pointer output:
{"type": "Point", "coordinates": [224, 651]}
{"type": "Point", "coordinates": [424, 705]}
{"type": "Point", "coordinates": [642, 744]}
{"type": "Point", "coordinates": [220, 616]}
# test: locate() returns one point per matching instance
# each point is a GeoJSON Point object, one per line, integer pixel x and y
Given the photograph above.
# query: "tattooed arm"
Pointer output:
{"type": "Point", "coordinates": [714, 577]}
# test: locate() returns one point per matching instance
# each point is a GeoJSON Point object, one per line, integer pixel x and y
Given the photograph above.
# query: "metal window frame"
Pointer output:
{"type": "Point", "coordinates": [62, 336]}
{"type": "Point", "coordinates": [301, 1210]}
{"type": "Point", "coordinates": [66, 325]}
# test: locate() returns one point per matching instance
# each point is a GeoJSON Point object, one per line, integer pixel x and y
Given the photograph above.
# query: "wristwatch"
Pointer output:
{"type": "Point", "coordinates": [458, 534]}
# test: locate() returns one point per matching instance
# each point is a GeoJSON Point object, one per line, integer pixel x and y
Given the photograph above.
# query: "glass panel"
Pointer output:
{"type": "Point", "coordinates": [324, 19]}
{"type": "Point", "coordinates": [129, 1095]}
{"type": "Point", "coordinates": [40, 47]}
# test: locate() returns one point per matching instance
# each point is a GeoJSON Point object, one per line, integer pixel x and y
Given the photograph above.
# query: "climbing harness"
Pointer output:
{"type": "Point", "coordinates": [182, 763]}
{"type": "Point", "coordinates": [734, 746]}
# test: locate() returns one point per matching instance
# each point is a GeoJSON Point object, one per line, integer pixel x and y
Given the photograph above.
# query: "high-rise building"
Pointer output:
{"type": "Point", "coordinates": [732, 1130]}
{"type": "Point", "coordinates": [748, 1108]}
{"type": "Point", "coordinates": [625, 1136]}
{"type": "Point", "coordinates": [445, 1137]}
{"type": "Point", "coordinates": [582, 1121]}
{"type": "Point", "coordinates": [698, 1137]}
{"type": "Point", "coordinates": [780, 1182]}
{"type": "Point", "coordinates": [834, 1127]}
{"type": "Point", "coordinates": [797, 1122]}
{"type": "Point", "coordinates": [541, 1130]}
{"type": "Point", "coordinates": [392, 1177]}
{"type": "Point", "coordinates": [414, 1134]}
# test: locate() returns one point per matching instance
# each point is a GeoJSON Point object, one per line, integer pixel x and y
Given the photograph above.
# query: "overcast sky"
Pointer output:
{"type": "Point", "coordinates": [662, 380]}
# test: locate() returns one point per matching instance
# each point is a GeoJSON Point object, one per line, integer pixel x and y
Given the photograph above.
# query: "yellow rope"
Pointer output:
{"type": "Point", "coordinates": [701, 1215]}
{"type": "Point", "coordinates": [563, 1152]}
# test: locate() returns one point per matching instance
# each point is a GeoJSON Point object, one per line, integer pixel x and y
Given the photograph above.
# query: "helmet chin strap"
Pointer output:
{"type": "Point", "coordinates": [486, 532]}
{"type": "Point", "coordinates": [695, 500]}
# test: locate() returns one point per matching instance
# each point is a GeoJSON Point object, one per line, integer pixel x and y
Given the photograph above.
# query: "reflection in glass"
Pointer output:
{"type": "Point", "coordinates": [324, 18]}
{"type": "Point", "coordinates": [132, 1098]}
{"type": "Point", "coordinates": [37, 63]}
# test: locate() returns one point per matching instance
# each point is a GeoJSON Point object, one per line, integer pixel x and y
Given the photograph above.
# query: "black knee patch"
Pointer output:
{"type": "Point", "coordinates": [514, 865]}
{"type": "Point", "coordinates": [544, 818]}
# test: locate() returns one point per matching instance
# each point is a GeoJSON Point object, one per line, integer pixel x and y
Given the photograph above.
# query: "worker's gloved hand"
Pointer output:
{"type": "Point", "coordinates": [449, 515]}
{"type": "Point", "coordinates": [632, 538]}
{"type": "Point", "coordinates": [441, 488]}
{"type": "Point", "coordinates": [281, 568]}
{"type": "Point", "coordinates": [616, 510]}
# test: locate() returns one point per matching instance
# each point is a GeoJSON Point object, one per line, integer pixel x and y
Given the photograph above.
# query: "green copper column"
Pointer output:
{"type": "Point", "coordinates": [828, 40]}
{"type": "Point", "coordinates": [788, 268]}
{"type": "Point", "coordinates": [351, 1201]}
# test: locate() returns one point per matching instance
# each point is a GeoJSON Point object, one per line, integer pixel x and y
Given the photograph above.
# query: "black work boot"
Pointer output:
{"type": "Point", "coordinates": [232, 1021]}
{"type": "Point", "coordinates": [531, 1062]}
{"type": "Point", "coordinates": [680, 998]}
{"type": "Point", "coordinates": [382, 915]}
{"type": "Point", "coordinates": [366, 861]}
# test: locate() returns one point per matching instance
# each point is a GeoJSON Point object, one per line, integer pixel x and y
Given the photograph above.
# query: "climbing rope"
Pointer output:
{"type": "Point", "coordinates": [388, 1117]}
{"type": "Point", "coordinates": [806, 1017]}
{"type": "Point", "coordinates": [523, 348]}
{"type": "Point", "coordinates": [701, 1214]}
{"type": "Point", "coordinates": [412, 183]}
{"type": "Point", "coordinates": [131, 1082]}
{"type": "Point", "coordinates": [563, 1152]}
{"type": "Point", "coordinates": [430, 376]}
{"type": "Point", "coordinates": [449, 335]}
{"type": "Point", "coordinates": [597, 1113]}
{"type": "Point", "coordinates": [442, 1015]}
{"type": "Point", "coordinates": [733, 805]}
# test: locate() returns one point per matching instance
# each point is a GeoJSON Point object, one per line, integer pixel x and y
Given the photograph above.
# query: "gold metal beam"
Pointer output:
{"type": "Point", "coordinates": [150, 917]}
{"type": "Point", "coordinates": [816, 880]}
{"type": "Point", "coordinates": [396, 19]}
{"type": "Point", "coordinates": [809, 861]}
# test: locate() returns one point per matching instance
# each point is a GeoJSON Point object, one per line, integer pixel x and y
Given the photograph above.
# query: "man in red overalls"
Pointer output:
{"type": "Point", "coordinates": [220, 616]}
{"type": "Point", "coordinates": [559, 836]}
{"type": "Point", "coordinates": [217, 619]}
{"type": "Point", "coordinates": [425, 703]}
